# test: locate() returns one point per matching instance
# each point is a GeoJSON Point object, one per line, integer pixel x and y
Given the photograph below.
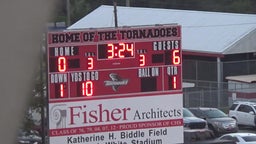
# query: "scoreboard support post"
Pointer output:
{"type": "Point", "coordinates": [115, 85]}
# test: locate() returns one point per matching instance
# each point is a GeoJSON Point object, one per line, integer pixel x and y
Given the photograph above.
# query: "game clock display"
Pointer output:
{"type": "Point", "coordinates": [116, 51]}
{"type": "Point", "coordinates": [114, 62]}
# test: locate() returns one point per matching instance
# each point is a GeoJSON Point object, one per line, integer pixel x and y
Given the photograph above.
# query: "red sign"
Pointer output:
{"type": "Point", "coordinates": [114, 62]}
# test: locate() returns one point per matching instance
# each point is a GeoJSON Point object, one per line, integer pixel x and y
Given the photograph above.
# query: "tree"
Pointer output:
{"type": "Point", "coordinates": [37, 103]}
{"type": "Point", "coordinates": [80, 8]}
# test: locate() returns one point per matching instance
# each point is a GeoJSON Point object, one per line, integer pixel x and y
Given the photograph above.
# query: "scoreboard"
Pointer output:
{"type": "Point", "coordinates": [115, 85]}
{"type": "Point", "coordinates": [114, 62]}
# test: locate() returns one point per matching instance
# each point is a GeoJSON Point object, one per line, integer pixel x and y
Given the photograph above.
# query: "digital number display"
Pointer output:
{"type": "Point", "coordinates": [116, 50]}
{"type": "Point", "coordinates": [115, 62]}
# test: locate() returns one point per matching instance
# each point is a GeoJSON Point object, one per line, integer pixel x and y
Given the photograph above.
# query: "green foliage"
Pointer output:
{"type": "Point", "coordinates": [38, 97]}
{"type": "Point", "coordinates": [28, 123]}
{"type": "Point", "coordinates": [242, 6]}
{"type": "Point", "coordinates": [80, 8]}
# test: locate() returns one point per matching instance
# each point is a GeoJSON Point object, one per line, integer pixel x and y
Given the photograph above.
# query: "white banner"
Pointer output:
{"type": "Point", "coordinates": [135, 120]}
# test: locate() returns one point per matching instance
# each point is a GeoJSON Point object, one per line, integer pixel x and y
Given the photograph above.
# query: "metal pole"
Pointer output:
{"type": "Point", "coordinates": [127, 3]}
{"type": "Point", "coordinates": [115, 13]}
{"type": "Point", "coordinates": [219, 79]}
{"type": "Point", "coordinates": [42, 92]}
{"type": "Point", "coordinates": [68, 12]}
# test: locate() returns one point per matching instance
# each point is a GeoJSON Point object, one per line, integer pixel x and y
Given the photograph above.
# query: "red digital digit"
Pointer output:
{"type": "Point", "coordinates": [174, 82]}
{"type": "Point", "coordinates": [111, 51]}
{"type": "Point", "coordinates": [62, 64]}
{"type": "Point", "coordinates": [142, 60]}
{"type": "Point", "coordinates": [61, 90]}
{"type": "Point", "coordinates": [87, 88]}
{"type": "Point", "coordinates": [116, 50]}
{"type": "Point", "coordinates": [176, 57]}
{"type": "Point", "coordinates": [130, 49]}
{"type": "Point", "coordinates": [121, 51]}
{"type": "Point", "coordinates": [90, 63]}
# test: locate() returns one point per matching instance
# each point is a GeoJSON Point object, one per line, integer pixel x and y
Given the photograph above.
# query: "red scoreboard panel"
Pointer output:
{"type": "Point", "coordinates": [109, 62]}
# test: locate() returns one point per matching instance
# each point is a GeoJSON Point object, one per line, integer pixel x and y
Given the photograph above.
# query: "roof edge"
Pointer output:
{"type": "Point", "coordinates": [238, 40]}
{"type": "Point", "coordinates": [205, 54]}
{"type": "Point", "coordinates": [243, 78]}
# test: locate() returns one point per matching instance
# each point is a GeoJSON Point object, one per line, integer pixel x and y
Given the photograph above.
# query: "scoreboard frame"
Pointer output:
{"type": "Point", "coordinates": [115, 85]}
{"type": "Point", "coordinates": [80, 58]}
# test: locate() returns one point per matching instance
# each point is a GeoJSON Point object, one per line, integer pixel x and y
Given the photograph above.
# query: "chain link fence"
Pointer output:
{"type": "Point", "coordinates": [207, 92]}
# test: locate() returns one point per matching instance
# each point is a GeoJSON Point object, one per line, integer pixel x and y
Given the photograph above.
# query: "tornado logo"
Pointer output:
{"type": "Point", "coordinates": [116, 81]}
